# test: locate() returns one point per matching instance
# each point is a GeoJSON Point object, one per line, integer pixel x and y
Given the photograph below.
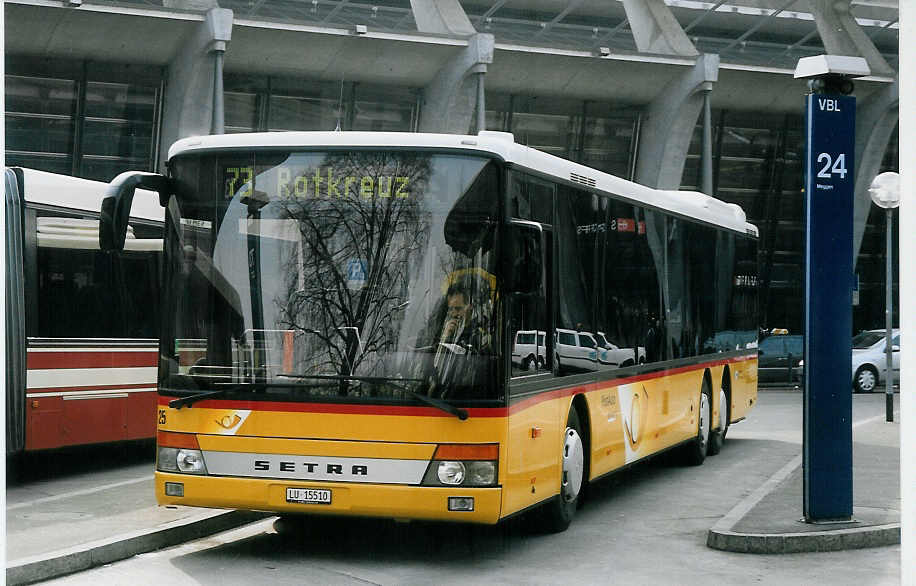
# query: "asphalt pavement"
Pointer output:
{"type": "Point", "coordinates": [59, 527]}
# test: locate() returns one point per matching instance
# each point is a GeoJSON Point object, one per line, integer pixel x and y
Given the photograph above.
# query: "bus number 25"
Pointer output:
{"type": "Point", "coordinates": [162, 417]}
{"type": "Point", "coordinates": [830, 166]}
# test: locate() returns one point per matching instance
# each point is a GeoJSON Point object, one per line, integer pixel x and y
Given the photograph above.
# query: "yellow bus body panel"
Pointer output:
{"type": "Point", "coordinates": [333, 426]}
{"type": "Point", "coordinates": [535, 440]}
{"type": "Point", "coordinates": [632, 421]}
{"type": "Point", "coordinates": [363, 500]}
{"type": "Point", "coordinates": [744, 387]}
{"type": "Point", "coordinates": [624, 422]}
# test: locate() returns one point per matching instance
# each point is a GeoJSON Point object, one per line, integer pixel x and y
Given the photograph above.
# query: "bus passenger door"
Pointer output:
{"type": "Point", "coordinates": [533, 417]}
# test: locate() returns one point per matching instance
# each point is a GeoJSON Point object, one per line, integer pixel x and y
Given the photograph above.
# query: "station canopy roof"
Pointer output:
{"type": "Point", "coordinates": [761, 33]}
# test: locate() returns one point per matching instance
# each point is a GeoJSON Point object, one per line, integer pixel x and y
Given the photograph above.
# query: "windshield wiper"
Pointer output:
{"type": "Point", "coordinates": [227, 387]}
{"type": "Point", "coordinates": [191, 399]}
{"type": "Point", "coordinates": [458, 412]}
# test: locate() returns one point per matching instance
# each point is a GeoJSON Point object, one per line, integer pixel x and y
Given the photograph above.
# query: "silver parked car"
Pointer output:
{"type": "Point", "coordinates": [869, 363]}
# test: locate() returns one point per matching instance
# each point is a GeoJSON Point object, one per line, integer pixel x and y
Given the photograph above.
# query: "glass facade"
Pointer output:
{"type": "Point", "coordinates": [76, 119]}
{"type": "Point", "coordinates": [39, 122]}
{"type": "Point", "coordinates": [102, 120]}
{"type": "Point", "coordinates": [255, 104]}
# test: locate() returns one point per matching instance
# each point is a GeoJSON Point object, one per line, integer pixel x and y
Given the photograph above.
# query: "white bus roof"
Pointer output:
{"type": "Point", "coordinates": [502, 144]}
{"type": "Point", "coordinates": [65, 191]}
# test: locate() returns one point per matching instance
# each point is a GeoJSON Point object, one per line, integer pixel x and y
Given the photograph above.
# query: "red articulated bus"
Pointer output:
{"type": "Point", "coordinates": [82, 324]}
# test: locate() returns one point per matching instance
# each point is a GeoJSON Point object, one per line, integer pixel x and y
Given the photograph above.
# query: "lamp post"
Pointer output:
{"type": "Point", "coordinates": [885, 192]}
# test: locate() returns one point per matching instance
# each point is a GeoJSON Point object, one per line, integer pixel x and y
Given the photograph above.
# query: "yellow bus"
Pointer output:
{"type": "Point", "coordinates": [442, 327]}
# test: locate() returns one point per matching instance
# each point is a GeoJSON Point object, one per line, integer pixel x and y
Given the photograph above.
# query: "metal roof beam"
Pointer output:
{"type": "Point", "coordinates": [613, 32]}
{"type": "Point", "coordinates": [490, 11]}
{"type": "Point", "coordinates": [700, 18]}
{"type": "Point", "coordinates": [572, 5]}
{"type": "Point", "coordinates": [334, 12]}
{"type": "Point", "coordinates": [759, 24]}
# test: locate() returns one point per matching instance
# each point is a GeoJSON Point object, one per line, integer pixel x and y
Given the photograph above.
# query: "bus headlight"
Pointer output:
{"type": "Point", "coordinates": [191, 462]}
{"type": "Point", "coordinates": [167, 460]}
{"type": "Point", "coordinates": [451, 472]}
{"type": "Point", "coordinates": [181, 460]}
{"type": "Point", "coordinates": [463, 465]}
{"type": "Point", "coordinates": [481, 473]}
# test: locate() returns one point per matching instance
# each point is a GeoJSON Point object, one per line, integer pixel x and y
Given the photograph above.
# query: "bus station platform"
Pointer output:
{"type": "Point", "coordinates": [65, 525]}
{"type": "Point", "coordinates": [771, 520]}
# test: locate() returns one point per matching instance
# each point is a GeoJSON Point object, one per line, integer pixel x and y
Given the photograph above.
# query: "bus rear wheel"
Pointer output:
{"type": "Point", "coordinates": [717, 437]}
{"type": "Point", "coordinates": [559, 512]}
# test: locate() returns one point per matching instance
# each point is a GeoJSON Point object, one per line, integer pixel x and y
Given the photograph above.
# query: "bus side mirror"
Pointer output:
{"type": "Point", "coordinates": [119, 196]}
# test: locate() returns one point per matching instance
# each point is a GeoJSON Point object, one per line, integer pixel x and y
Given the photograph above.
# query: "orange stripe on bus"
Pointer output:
{"type": "Point", "coordinates": [467, 452]}
{"type": "Point", "coordinates": [171, 439]}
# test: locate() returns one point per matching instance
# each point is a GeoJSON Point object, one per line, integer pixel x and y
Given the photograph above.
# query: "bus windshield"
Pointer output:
{"type": "Point", "coordinates": [349, 276]}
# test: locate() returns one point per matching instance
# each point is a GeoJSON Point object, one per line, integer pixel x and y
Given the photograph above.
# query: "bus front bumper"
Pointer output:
{"type": "Point", "coordinates": [348, 499]}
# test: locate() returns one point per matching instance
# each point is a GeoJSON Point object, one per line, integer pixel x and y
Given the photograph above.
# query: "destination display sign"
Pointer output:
{"type": "Point", "coordinates": [320, 182]}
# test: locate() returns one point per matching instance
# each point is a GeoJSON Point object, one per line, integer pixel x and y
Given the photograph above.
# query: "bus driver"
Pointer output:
{"type": "Point", "coordinates": [463, 322]}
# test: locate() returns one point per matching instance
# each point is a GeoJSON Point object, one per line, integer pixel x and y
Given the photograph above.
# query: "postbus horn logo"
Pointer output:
{"type": "Point", "coordinates": [634, 423]}
{"type": "Point", "coordinates": [229, 421]}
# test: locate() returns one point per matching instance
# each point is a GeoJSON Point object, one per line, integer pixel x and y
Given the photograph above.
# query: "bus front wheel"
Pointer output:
{"type": "Point", "coordinates": [695, 451]}
{"type": "Point", "coordinates": [559, 512]}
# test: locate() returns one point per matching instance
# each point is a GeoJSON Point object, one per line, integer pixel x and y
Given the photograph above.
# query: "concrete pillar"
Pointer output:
{"type": "Point", "coordinates": [706, 156]}
{"type": "Point", "coordinates": [453, 98]}
{"type": "Point", "coordinates": [842, 35]}
{"type": "Point", "coordinates": [876, 118]}
{"type": "Point", "coordinates": [193, 94]}
{"type": "Point", "coordinates": [455, 95]}
{"type": "Point", "coordinates": [441, 17]}
{"type": "Point", "coordinates": [656, 30]}
{"type": "Point", "coordinates": [668, 125]}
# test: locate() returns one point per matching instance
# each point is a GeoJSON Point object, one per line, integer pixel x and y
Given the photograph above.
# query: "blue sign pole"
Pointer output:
{"type": "Point", "coordinates": [829, 164]}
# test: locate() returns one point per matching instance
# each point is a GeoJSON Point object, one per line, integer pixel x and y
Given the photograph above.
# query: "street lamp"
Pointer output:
{"type": "Point", "coordinates": [885, 192]}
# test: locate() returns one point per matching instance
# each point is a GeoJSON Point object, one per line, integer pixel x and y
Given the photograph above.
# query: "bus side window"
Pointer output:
{"type": "Point", "coordinates": [75, 283]}
{"type": "Point", "coordinates": [528, 305]}
{"type": "Point", "coordinates": [83, 292]}
{"type": "Point", "coordinates": [579, 229]}
{"type": "Point", "coordinates": [531, 199]}
{"type": "Point", "coordinates": [629, 297]}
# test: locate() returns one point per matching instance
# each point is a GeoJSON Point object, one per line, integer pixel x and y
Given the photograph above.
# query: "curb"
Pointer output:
{"type": "Point", "coordinates": [722, 536]}
{"type": "Point", "coordinates": [833, 540]}
{"type": "Point", "coordinates": [96, 553]}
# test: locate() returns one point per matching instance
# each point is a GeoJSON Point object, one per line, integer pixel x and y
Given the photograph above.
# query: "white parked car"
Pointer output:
{"type": "Point", "coordinates": [613, 355]}
{"type": "Point", "coordinates": [529, 351]}
{"type": "Point", "coordinates": [869, 362]}
{"type": "Point", "coordinates": [576, 351]}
